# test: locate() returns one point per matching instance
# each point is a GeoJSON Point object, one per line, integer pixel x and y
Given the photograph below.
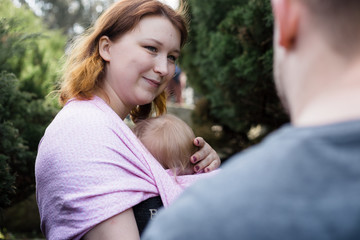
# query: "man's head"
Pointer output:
{"type": "Point", "coordinates": [313, 38]}
{"type": "Point", "coordinates": [339, 21]}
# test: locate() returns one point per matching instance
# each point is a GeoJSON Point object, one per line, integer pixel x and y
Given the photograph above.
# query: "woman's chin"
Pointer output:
{"type": "Point", "coordinates": [145, 101]}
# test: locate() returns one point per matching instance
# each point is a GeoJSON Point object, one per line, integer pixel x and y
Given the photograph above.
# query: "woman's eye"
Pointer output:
{"type": "Point", "coordinates": [172, 58]}
{"type": "Point", "coordinates": [151, 49]}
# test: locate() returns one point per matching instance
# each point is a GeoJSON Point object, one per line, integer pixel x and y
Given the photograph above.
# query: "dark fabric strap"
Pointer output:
{"type": "Point", "coordinates": [146, 210]}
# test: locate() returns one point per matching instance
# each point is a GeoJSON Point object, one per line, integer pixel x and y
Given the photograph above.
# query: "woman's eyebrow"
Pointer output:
{"type": "Point", "coordinates": [161, 44]}
{"type": "Point", "coordinates": [156, 41]}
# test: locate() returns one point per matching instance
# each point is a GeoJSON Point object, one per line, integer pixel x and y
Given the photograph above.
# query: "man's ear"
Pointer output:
{"type": "Point", "coordinates": [286, 14]}
{"type": "Point", "coordinates": [104, 48]}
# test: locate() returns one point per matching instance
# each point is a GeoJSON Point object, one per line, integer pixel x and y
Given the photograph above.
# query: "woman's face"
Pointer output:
{"type": "Point", "coordinates": [141, 62]}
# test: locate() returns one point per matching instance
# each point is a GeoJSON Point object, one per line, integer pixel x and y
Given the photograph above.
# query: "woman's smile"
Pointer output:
{"type": "Point", "coordinates": [152, 82]}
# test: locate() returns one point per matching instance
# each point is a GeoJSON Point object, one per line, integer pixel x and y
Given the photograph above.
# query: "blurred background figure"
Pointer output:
{"type": "Point", "coordinates": [176, 86]}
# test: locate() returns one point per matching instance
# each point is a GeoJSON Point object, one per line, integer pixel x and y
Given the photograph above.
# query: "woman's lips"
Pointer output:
{"type": "Point", "coordinates": [153, 83]}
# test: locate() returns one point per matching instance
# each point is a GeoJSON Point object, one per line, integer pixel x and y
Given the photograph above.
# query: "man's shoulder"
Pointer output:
{"type": "Point", "coordinates": [274, 186]}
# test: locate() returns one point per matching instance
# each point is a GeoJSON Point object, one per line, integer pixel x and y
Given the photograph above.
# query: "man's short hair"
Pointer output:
{"type": "Point", "coordinates": [340, 20]}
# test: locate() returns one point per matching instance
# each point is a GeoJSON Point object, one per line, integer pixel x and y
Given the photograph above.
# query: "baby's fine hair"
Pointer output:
{"type": "Point", "coordinates": [170, 140]}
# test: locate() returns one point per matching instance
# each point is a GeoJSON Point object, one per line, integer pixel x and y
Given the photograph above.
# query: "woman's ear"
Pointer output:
{"type": "Point", "coordinates": [104, 48]}
{"type": "Point", "coordinates": [286, 14]}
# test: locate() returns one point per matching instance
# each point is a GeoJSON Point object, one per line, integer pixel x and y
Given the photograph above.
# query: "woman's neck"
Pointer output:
{"type": "Point", "coordinates": [113, 101]}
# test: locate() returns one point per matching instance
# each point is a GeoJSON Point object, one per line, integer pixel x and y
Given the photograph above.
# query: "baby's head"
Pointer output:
{"type": "Point", "coordinates": [169, 140]}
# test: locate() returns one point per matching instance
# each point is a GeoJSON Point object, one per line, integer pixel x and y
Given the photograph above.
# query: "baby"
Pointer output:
{"type": "Point", "coordinates": [169, 140]}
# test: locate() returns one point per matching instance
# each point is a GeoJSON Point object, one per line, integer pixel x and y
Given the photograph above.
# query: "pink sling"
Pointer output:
{"type": "Point", "coordinates": [90, 167]}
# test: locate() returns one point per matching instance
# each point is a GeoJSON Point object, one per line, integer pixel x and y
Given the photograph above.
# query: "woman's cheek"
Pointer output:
{"type": "Point", "coordinates": [164, 85]}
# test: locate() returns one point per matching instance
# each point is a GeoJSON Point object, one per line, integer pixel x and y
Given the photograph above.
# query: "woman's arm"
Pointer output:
{"type": "Point", "coordinates": [121, 226]}
{"type": "Point", "coordinates": [206, 158]}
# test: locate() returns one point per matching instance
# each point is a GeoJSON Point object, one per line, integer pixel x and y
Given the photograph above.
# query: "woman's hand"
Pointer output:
{"type": "Point", "coordinates": [206, 158]}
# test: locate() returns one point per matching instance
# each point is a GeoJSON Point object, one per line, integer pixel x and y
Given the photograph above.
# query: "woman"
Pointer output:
{"type": "Point", "coordinates": [91, 170]}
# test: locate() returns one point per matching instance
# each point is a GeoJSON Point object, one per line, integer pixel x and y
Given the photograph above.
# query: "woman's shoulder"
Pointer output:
{"type": "Point", "coordinates": [94, 111]}
{"type": "Point", "coordinates": [83, 109]}
{"type": "Point", "coordinates": [77, 116]}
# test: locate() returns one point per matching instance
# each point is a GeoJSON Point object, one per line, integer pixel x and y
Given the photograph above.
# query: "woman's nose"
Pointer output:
{"type": "Point", "coordinates": [161, 66]}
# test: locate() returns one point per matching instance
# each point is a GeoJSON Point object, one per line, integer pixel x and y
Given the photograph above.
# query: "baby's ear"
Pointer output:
{"type": "Point", "coordinates": [104, 48]}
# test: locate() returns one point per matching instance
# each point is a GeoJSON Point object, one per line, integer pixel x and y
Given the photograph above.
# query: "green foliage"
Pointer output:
{"type": "Point", "coordinates": [29, 55]}
{"type": "Point", "coordinates": [13, 149]}
{"type": "Point", "coordinates": [229, 61]}
{"type": "Point", "coordinates": [70, 16]}
{"type": "Point", "coordinates": [22, 123]}
{"type": "Point", "coordinates": [6, 182]}
{"type": "Point", "coordinates": [29, 50]}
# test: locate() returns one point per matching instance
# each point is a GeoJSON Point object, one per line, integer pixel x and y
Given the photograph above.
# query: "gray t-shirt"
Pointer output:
{"type": "Point", "coordinates": [299, 183]}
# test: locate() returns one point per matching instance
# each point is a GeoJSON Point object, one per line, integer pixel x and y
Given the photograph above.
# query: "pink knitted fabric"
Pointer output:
{"type": "Point", "coordinates": [90, 167]}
